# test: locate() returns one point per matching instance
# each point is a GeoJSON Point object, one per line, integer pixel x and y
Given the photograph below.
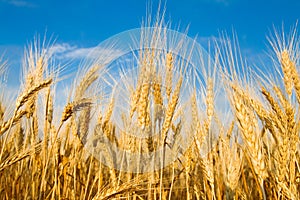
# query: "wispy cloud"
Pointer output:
{"type": "Point", "coordinates": [67, 51]}
{"type": "Point", "coordinates": [61, 50]}
{"type": "Point", "coordinates": [20, 3]}
{"type": "Point", "coordinates": [221, 2]}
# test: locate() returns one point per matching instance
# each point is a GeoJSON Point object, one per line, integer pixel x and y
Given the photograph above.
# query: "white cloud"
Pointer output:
{"type": "Point", "coordinates": [65, 51]}
{"type": "Point", "coordinates": [78, 53]}
{"type": "Point", "coordinates": [61, 50]}
{"type": "Point", "coordinates": [20, 3]}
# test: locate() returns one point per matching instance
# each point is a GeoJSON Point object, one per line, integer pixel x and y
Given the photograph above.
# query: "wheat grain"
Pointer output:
{"type": "Point", "coordinates": [5, 126]}
{"type": "Point", "coordinates": [275, 106]}
{"type": "Point", "coordinates": [32, 91]}
{"type": "Point", "coordinates": [169, 74]}
{"type": "Point", "coordinates": [68, 111]}
{"type": "Point", "coordinates": [158, 99]}
{"type": "Point", "coordinates": [286, 68]}
{"type": "Point", "coordinates": [143, 103]}
{"type": "Point", "coordinates": [171, 109]}
{"type": "Point", "coordinates": [232, 163]}
{"type": "Point", "coordinates": [209, 100]}
{"type": "Point", "coordinates": [89, 77]}
{"type": "Point", "coordinates": [248, 126]}
{"type": "Point", "coordinates": [2, 111]}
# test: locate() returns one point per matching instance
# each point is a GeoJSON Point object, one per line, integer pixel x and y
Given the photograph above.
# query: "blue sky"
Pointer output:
{"type": "Point", "coordinates": [79, 25]}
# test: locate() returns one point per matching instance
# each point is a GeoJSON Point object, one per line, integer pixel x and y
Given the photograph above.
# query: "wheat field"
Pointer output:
{"type": "Point", "coordinates": [241, 124]}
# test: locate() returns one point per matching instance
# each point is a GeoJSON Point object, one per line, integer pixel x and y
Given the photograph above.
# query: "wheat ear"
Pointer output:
{"type": "Point", "coordinates": [169, 75]}
{"type": "Point", "coordinates": [287, 72]}
{"type": "Point", "coordinates": [171, 109]}
{"type": "Point", "coordinates": [249, 126]}
{"type": "Point", "coordinates": [24, 97]}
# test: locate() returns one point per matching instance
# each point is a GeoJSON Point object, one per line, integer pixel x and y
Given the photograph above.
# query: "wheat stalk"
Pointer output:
{"type": "Point", "coordinates": [19, 156]}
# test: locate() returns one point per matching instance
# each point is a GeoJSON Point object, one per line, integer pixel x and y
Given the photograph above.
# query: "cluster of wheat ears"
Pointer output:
{"type": "Point", "coordinates": [252, 148]}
